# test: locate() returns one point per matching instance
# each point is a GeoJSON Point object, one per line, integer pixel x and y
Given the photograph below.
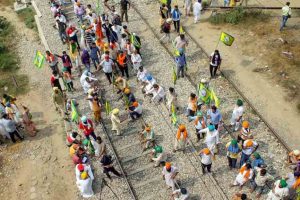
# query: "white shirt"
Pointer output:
{"type": "Point", "coordinates": [62, 18]}
{"type": "Point", "coordinates": [86, 86]}
{"type": "Point", "coordinates": [286, 10]}
{"type": "Point", "coordinates": [206, 159]}
{"type": "Point", "coordinates": [279, 193]}
{"type": "Point", "coordinates": [141, 75]}
{"type": "Point", "coordinates": [157, 93]}
{"type": "Point", "coordinates": [249, 150]}
{"type": "Point", "coordinates": [139, 109]}
{"type": "Point", "coordinates": [212, 138]}
{"type": "Point", "coordinates": [107, 66]}
{"type": "Point", "coordinates": [136, 59]}
{"type": "Point", "coordinates": [238, 111]}
{"type": "Point", "coordinates": [197, 8]}
{"type": "Point", "coordinates": [168, 179]}
{"type": "Point", "coordinates": [91, 18]}
{"type": "Point", "coordinates": [87, 168]}
{"type": "Point", "coordinates": [181, 196]}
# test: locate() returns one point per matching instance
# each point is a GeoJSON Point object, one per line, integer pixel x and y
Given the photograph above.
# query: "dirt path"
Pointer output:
{"type": "Point", "coordinates": [39, 167]}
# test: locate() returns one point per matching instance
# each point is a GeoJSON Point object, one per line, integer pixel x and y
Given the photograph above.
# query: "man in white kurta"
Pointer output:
{"type": "Point", "coordinates": [237, 115]}
{"type": "Point", "coordinates": [84, 185]}
{"type": "Point", "coordinates": [136, 60]}
{"type": "Point", "coordinates": [169, 174]}
{"type": "Point", "coordinates": [211, 137]}
{"type": "Point", "coordinates": [197, 7]}
{"type": "Point", "coordinates": [280, 191]}
{"type": "Point", "coordinates": [83, 168]}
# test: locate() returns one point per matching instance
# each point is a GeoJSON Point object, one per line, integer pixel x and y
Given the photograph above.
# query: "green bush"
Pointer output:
{"type": "Point", "coordinates": [238, 15]}
{"type": "Point", "coordinates": [27, 15]}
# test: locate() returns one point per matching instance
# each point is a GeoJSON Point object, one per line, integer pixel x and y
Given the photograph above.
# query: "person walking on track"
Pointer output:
{"type": "Point", "coordinates": [125, 6]}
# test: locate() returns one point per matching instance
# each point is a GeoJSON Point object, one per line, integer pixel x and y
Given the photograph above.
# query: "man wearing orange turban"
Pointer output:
{"type": "Point", "coordinates": [169, 174]}
{"type": "Point", "coordinates": [181, 137]}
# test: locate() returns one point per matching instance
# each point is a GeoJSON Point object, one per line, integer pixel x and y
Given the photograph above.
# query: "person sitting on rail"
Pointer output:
{"type": "Point", "coordinates": [121, 84]}
{"type": "Point", "coordinates": [180, 194]}
{"type": "Point", "coordinates": [245, 174]}
{"type": "Point", "coordinates": [249, 147]}
{"type": "Point", "coordinates": [157, 93]}
{"type": "Point", "coordinates": [129, 98]}
{"type": "Point", "coordinates": [148, 84]}
{"type": "Point", "coordinates": [147, 137]}
{"type": "Point", "coordinates": [135, 110]}
{"type": "Point", "coordinates": [158, 155]}
{"type": "Point", "coordinates": [294, 158]}
{"type": "Point", "coordinates": [84, 184]}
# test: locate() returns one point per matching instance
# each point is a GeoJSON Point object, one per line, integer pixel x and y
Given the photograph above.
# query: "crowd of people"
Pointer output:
{"type": "Point", "coordinates": [105, 43]}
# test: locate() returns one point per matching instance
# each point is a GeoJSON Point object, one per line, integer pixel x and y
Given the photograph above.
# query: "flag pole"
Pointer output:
{"type": "Point", "coordinates": [218, 43]}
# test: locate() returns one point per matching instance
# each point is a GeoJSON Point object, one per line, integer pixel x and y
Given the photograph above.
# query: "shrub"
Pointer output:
{"type": "Point", "coordinates": [238, 15]}
{"type": "Point", "coordinates": [27, 15]}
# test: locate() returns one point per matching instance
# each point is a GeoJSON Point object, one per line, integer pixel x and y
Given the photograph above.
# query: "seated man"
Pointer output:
{"type": "Point", "coordinates": [157, 93]}
{"type": "Point", "coordinates": [147, 137]}
{"type": "Point", "coordinates": [135, 110]}
{"type": "Point", "coordinates": [158, 156]}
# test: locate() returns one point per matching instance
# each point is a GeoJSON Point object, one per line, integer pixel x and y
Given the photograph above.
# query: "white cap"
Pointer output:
{"type": "Point", "coordinates": [296, 152]}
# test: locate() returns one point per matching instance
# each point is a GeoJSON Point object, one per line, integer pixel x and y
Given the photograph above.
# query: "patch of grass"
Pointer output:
{"type": "Point", "coordinates": [27, 16]}
{"type": "Point", "coordinates": [9, 62]}
{"type": "Point", "coordinates": [8, 58]}
{"type": "Point", "coordinates": [239, 15]}
{"type": "Point", "coordinates": [6, 81]}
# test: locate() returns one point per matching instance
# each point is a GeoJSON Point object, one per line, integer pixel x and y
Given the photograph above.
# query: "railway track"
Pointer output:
{"type": "Point", "coordinates": [140, 178]}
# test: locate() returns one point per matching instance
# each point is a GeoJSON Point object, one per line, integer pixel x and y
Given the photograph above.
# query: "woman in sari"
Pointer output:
{"type": "Point", "coordinates": [28, 124]}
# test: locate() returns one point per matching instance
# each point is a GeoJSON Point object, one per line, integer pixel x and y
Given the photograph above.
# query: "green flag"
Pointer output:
{"type": "Point", "coordinates": [174, 119]}
{"type": "Point", "coordinates": [107, 108]}
{"type": "Point", "coordinates": [134, 41]}
{"type": "Point", "coordinates": [174, 76]}
{"type": "Point", "coordinates": [226, 38]}
{"type": "Point", "coordinates": [39, 59]}
{"type": "Point", "coordinates": [74, 113]}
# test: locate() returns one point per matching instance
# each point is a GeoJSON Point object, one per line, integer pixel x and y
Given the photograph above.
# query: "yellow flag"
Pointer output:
{"type": "Point", "coordinates": [215, 98]}
{"type": "Point", "coordinates": [174, 76]}
{"type": "Point", "coordinates": [181, 31]}
{"type": "Point", "coordinates": [226, 38]}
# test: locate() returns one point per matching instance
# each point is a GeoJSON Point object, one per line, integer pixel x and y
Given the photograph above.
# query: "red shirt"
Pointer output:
{"type": "Point", "coordinates": [87, 129]}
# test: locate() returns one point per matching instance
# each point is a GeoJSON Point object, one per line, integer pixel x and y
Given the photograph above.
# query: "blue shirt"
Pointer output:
{"type": "Point", "coordinates": [175, 15]}
{"type": "Point", "coordinates": [257, 162]}
{"type": "Point", "coordinates": [214, 117]}
{"type": "Point", "coordinates": [180, 60]}
{"type": "Point", "coordinates": [94, 51]}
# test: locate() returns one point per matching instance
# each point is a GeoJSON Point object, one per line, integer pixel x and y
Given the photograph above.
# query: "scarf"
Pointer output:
{"type": "Point", "coordinates": [179, 134]}
{"type": "Point", "coordinates": [243, 169]}
{"type": "Point", "coordinates": [233, 149]}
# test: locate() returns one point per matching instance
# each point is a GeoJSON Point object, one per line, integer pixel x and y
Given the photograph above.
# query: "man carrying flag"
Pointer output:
{"type": "Point", "coordinates": [215, 62]}
{"type": "Point", "coordinates": [136, 42]}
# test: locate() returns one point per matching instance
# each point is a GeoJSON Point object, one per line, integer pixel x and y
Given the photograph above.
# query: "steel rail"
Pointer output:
{"type": "Point", "coordinates": [215, 182]}
{"type": "Point", "coordinates": [284, 144]}
{"type": "Point", "coordinates": [247, 7]}
{"type": "Point", "coordinates": [168, 51]}
{"type": "Point", "coordinates": [130, 187]}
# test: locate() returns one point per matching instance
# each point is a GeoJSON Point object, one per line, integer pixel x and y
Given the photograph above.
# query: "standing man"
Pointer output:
{"type": "Point", "coordinates": [214, 116]}
{"type": "Point", "coordinates": [169, 174]}
{"type": "Point", "coordinates": [176, 18]}
{"type": "Point", "coordinates": [11, 128]}
{"type": "Point", "coordinates": [52, 61]}
{"type": "Point", "coordinates": [125, 6]}
{"type": "Point", "coordinates": [86, 125]}
{"type": "Point", "coordinates": [286, 14]}
{"type": "Point", "coordinates": [107, 65]}
{"type": "Point", "coordinates": [181, 63]}
{"type": "Point", "coordinates": [197, 11]}
{"type": "Point", "coordinates": [181, 42]}
{"type": "Point", "coordinates": [58, 100]}
{"type": "Point", "coordinates": [237, 114]}
{"type": "Point", "coordinates": [215, 62]}
{"type": "Point", "coordinates": [95, 54]}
